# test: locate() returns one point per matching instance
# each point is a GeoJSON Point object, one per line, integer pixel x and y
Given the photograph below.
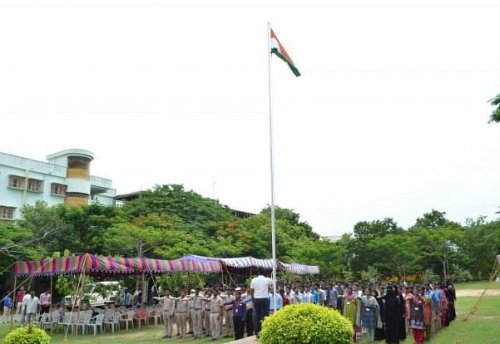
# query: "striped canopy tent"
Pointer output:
{"type": "Point", "coordinates": [251, 265]}
{"type": "Point", "coordinates": [301, 269]}
{"type": "Point", "coordinates": [198, 264]}
{"type": "Point", "coordinates": [101, 266]}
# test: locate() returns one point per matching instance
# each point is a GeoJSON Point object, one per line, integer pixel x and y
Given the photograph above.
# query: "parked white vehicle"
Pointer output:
{"type": "Point", "coordinates": [98, 294]}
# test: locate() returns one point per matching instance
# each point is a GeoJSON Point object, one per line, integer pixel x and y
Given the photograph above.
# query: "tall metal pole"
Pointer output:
{"type": "Point", "coordinates": [271, 151]}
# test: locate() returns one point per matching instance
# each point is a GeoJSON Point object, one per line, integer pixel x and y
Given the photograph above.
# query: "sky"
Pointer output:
{"type": "Point", "coordinates": [389, 117]}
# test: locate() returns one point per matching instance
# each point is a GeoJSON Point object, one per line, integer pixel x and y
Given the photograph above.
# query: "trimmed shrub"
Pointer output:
{"type": "Point", "coordinates": [27, 335]}
{"type": "Point", "coordinates": [306, 323]}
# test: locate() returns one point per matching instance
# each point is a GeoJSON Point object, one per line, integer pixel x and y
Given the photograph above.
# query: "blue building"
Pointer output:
{"type": "Point", "coordinates": [64, 179]}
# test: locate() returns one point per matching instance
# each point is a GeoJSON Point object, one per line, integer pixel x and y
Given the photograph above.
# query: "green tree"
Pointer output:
{"type": "Point", "coordinates": [495, 115]}
{"type": "Point", "coordinates": [195, 211]}
{"type": "Point", "coordinates": [47, 224]}
{"type": "Point", "coordinates": [366, 231]}
{"type": "Point", "coordinates": [396, 254]}
{"type": "Point", "coordinates": [439, 246]}
{"type": "Point", "coordinates": [434, 219]}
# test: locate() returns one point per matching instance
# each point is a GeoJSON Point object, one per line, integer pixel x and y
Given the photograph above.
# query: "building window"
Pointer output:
{"type": "Point", "coordinates": [58, 189]}
{"type": "Point", "coordinates": [16, 182]}
{"type": "Point", "coordinates": [35, 185]}
{"type": "Point", "coordinates": [6, 213]}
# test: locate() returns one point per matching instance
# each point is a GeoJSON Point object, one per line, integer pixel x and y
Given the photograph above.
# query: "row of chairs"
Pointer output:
{"type": "Point", "coordinates": [82, 322]}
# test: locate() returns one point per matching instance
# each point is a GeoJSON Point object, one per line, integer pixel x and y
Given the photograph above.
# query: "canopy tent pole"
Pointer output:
{"type": "Point", "coordinates": [79, 286]}
{"type": "Point", "coordinates": [13, 303]}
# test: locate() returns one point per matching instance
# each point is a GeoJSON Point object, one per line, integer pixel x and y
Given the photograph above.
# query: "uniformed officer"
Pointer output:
{"type": "Point", "coordinates": [168, 306]}
{"type": "Point", "coordinates": [216, 310]}
{"type": "Point", "coordinates": [206, 311]}
{"type": "Point", "coordinates": [196, 313]}
{"type": "Point", "coordinates": [181, 310]}
{"type": "Point", "coordinates": [228, 313]}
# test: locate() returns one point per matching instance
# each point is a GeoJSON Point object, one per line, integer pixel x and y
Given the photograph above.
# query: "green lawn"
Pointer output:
{"type": "Point", "coordinates": [481, 327]}
{"type": "Point", "coordinates": [147, 335]}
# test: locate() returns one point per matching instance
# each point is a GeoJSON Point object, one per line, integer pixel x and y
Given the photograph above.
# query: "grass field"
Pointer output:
{"type": "Point", "coordinates": [147, 335]}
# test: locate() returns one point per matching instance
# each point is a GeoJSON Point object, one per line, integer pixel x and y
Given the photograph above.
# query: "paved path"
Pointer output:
{"type": "Point", "coordinates": [246, 340]}
{"type": "Point", "coordinates": [477, 292]}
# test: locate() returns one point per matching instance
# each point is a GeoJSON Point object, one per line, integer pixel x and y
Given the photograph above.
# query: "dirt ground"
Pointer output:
{"type": "Point", "coordinates": [477, 292]}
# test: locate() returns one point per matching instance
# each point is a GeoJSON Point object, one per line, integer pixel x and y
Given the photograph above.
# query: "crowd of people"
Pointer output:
{"type": "Point", "coordinates": [378, 311]}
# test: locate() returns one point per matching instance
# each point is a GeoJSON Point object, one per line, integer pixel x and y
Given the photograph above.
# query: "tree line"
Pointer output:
{"type": "Point", "coordinates": [168, 222]}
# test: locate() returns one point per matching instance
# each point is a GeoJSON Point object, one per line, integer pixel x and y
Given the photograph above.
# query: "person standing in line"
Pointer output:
{"type": "Point", "coordinates": [181, 309]}
{"type": "Point", "coordinates": [206, 311]}
{"type": "Point", "coordinates": [216, 311]}
{"type": "Point", "coordinates": [416, 316]}
{"type": "Point", "coordinates": [285, 297]}
{"type": "Point", "coordinates": [238, 307]}
{"type": "Point", "coordinates": [228, 313]}
{"type": "Point", "coordinates": [392, 316]}
{"type": "Point", "coordinates": [272, 301]}
{"type": "Point", "coordinates": [7, 307]}
{"type": "Point", "coordinates": [340, 297]}
{"type": "Point", "coordinates": [350, 309]}
{"type": "Point", "coordinates": [32, 304]}
{"type": "Point", "coordinates": [168, 306]}
{"type": "Point", "coordinates": [196, 313]}
{"type": "Point", "coordinates": [249, 313]}
{"type": "Point", "coordinates": [370, 314]}
{"type": "Point", "coordinates": [435, 295]}
{"type": "Point", "coordinates": [21, 293]}
{"type": "Point", "coordinates": [45, 302]}
{"type": "Point", "coordinates": [259, 289]}
{"type": "Point", "coordinates": [333, 295]}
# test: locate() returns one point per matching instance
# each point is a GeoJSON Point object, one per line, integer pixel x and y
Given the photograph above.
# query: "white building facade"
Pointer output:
{"type": "Point", "coordinates": [64, 179]}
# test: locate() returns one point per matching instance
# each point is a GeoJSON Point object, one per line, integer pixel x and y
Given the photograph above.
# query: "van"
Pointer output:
{"type": "Point", "coordinates": [96, 294]}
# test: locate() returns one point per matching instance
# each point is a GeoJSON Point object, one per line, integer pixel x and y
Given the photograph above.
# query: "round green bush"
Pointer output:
{"type": "Point", "coordinates": [27, 335]}
{"type": "Point", "coordinates": [306, 323]}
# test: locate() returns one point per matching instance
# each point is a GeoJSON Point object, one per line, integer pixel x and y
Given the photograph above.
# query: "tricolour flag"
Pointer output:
{"type": "Point", "coordinates": [278, 49]}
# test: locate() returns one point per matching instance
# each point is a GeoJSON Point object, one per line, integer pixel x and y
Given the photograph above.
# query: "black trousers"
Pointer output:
{"type": "Point", "coordinates": [249, 322]}
{"type": "Point", "coordinates": [239, 326]}
{"type": "Point", "coordinates": [261, 309]}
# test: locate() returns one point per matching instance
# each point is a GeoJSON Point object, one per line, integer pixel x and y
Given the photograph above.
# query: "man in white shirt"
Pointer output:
{"type": "Point", "coordinates": [31, 303]}
{"type": "Point", "coordinates": [259, 288]}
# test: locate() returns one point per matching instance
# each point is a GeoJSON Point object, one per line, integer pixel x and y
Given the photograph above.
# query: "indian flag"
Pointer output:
{"type": "Point", "coordinates": [278, 49]}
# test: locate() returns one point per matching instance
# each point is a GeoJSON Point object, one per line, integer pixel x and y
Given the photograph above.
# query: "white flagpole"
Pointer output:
{"type": "Point", "coordinates": [271, 151]}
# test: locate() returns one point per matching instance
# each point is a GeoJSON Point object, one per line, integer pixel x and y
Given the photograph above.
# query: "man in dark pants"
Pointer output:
{"type": "Point", "coordinates": [239, 314]}
{"type": "Point", "coordinates": [260, 295]}
{"type": "Point", "coordinates": [249, 316]}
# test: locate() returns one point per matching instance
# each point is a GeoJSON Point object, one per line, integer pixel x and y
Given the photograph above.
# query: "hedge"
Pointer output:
{"type": "Point", "coordinates": [27, 335]}
{"type": "Point", "coordinates": [306, 324]}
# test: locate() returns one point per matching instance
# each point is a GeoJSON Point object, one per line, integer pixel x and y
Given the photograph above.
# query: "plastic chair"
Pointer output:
{"type": "Point", "coordinates": [96, 323]}
{"type": "Point", "coordinates": [127, 318]}
{"type": "Point", "coordinates": [142, 316]}
{"type": "Point", "coordinates": [68, 321]}
{"type": "Point", "coordinates": [155, 314]}
{"type": "Point", "coordinates": [112, 320]}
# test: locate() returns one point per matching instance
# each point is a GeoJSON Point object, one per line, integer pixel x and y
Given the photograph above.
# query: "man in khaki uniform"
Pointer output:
{"type": "Point", "coordinates": [168, 306]}
{"type": "Point", "coordinates": [181, 312]}
{"type": "Point", "coordinates": [196, 313]}
{"type": "Point", "coordinates": [228, 313]}
{"type": "Point", "coordinates": [216, 310]}
{"type": "Point", "coordinates": [206, 311]}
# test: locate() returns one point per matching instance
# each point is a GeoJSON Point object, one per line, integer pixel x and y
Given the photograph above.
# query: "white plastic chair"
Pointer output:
{"type": "Point", "coordinates": [96, 322]}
